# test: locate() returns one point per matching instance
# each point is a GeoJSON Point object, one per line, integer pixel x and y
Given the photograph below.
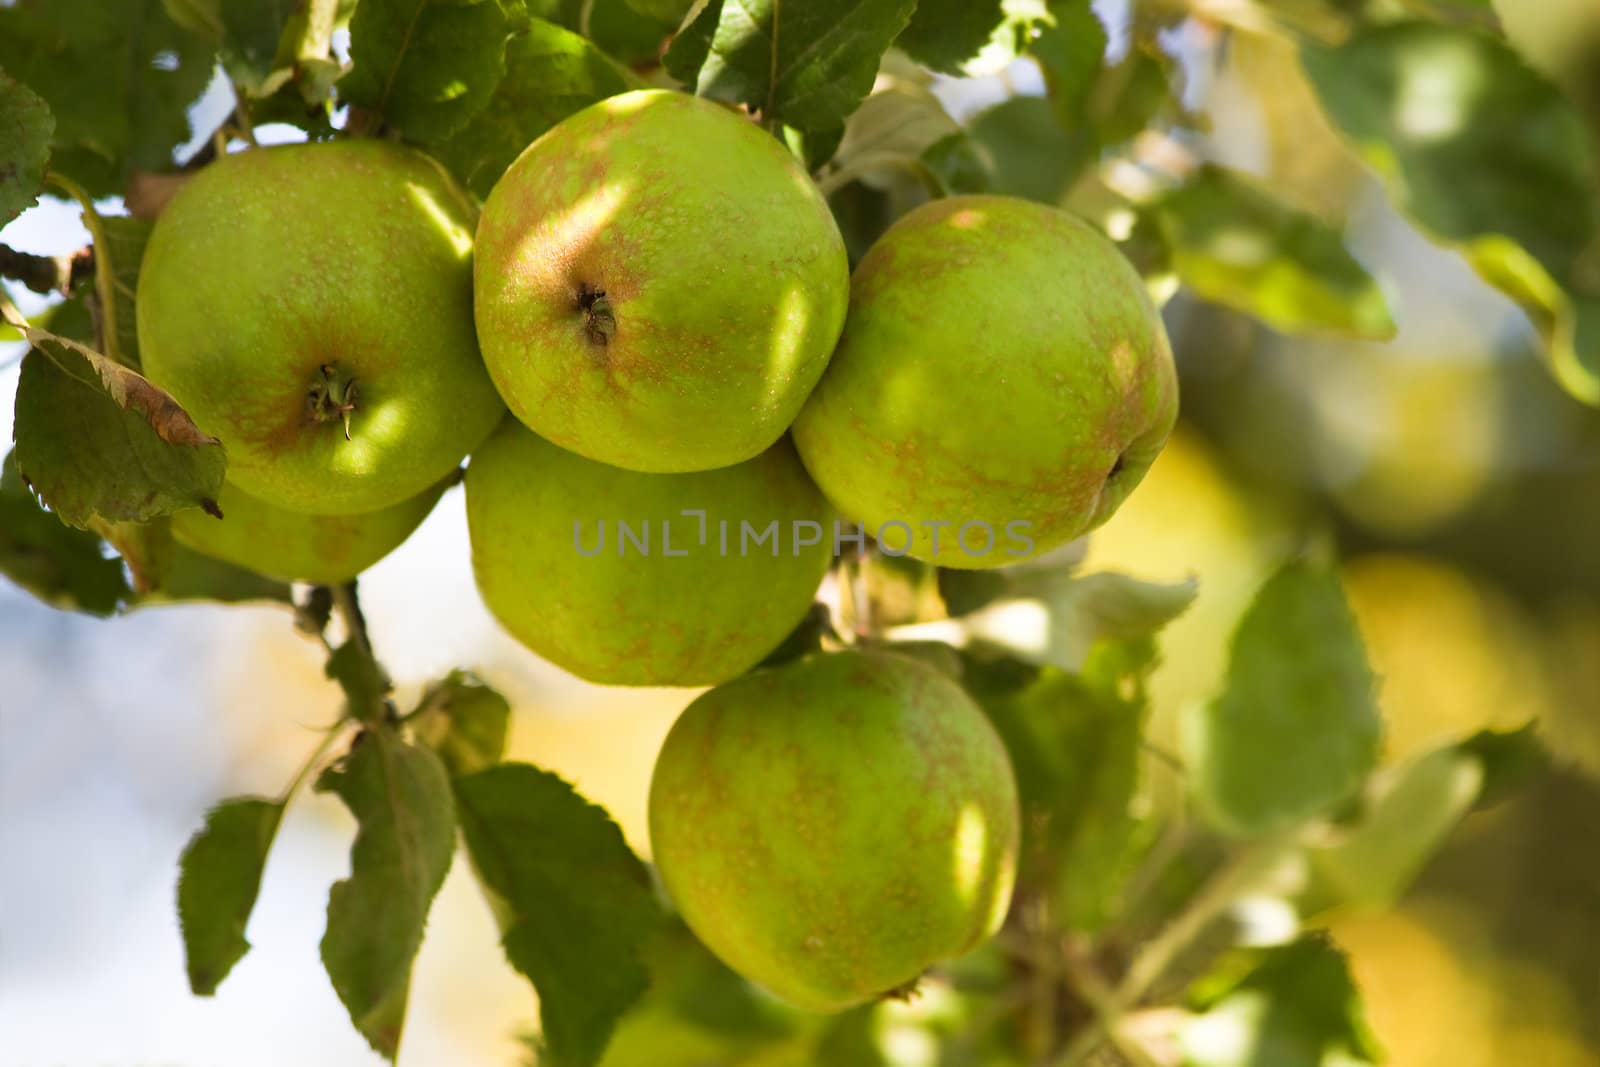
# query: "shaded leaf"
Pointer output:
{"type": "Point", "coordinates": [1485, 154]}
{"type": "Point", "coordinates": [1074, 740]}
{"type": "Point", "coordinates": [366, 686]}
{"type": "Point", "coordinates": [62, 566]}
{"type": "Point", "coordinates": [26, 126]}
{"type": "Point", "coordinates": [808, 65]}
{"type": "Point", "coordinates": [123, 246]}
{"type": "Point", "coordinates": [1510, 758]}
{"type": "Point", "coordinates": [970, 37]}
{"type": "Point", "coordinates": [218, 881]}
{"type": "Point", "coordinates": [550, 73]}
{"type": "Point", "coordinates": [1411, 812]}
{"type": "Point", "coordinates": [119, 78]}
{"type": "Point", "coordinates": [1298, 1008]}
{"type": "Point", "coordinates": [145, 547]}
{"type": "Point", "coordinates": [400, 796]}
{"type": "Point", "coordinates": [191, 575]}
{"type": "Point", "coordinates": [1296, 727]}
{"type": "Point", "coordinates": [426, 66]}
{"type": "Point", "coordinates": [464, 721]}
{"type": "Point", "coordinates": [1029, 154]}
{"type": "Point", "coordinates": [245, 33]}
{"type": "Point", "coordinates": [98, 441]}
{"type": "Point", "coordinates": [575, 904]}
{"type": "Point", "coordinates": [1069, 47]}
{"type": "Point", "coordinates": [1235, 243]}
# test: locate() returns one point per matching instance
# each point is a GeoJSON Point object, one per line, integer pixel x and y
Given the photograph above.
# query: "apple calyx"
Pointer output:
{"type": "Point", "coordinates": [599, 321]}
{"type": "Point", "coordinates": [333, 395]}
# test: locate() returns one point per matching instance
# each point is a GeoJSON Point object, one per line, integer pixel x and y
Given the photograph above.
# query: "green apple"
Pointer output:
{"type": "Point", "coordinates": [295, 546]}
{"type": "Point", "coordinates": [311, 306]}
{"type": "Point", "coordinates": [629, 578]}
{"type": "Point", "coordinates": [659, 284]}
{"type": "Point", "coordinates": [833, 827]}
{"type": "Point", "coordinates": [1003, 382]}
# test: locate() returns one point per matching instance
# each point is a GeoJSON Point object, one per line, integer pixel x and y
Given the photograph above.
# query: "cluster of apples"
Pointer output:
{"type": "Point", "coordinates": [661, 297]}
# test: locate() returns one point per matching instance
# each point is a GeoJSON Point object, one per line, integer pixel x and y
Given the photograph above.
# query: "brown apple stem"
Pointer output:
{"type": "Point", "coordinates": [333, 395]}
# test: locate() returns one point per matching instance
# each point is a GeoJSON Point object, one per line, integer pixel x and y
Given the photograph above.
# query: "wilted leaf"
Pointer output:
{"type": "Point", "coordinates": [1485, 154]}
{"type": "Point", "coordinates": [1298, 1008]}
{"type": "Point", "coordinates": [1237, 244]}
{"type": "Point", "coordinates": [550, 73]}
{"type": "Point", "coordinates": [119, 78]}
{"type": "Point", "coordinates": [1296, 727]}
{"type": "Point", "coordinates": [400, 795]}
{"type": "Point", "coordinates": [575, 904]}
{"type": "Point", "coordinates": [97, 440]}
{"type": "Point", "coordinates": [464, 721]}
{"type": "Point", "coordinates": [60, 565]}
{"type": "Point", "coordinates": [426, 66]}
{"type": "Point", "coordinates": [808, 65]}
{"type": "Point", "coordinates": [26, 126]}
{"type": "Point", "coordinates": [219, 879]}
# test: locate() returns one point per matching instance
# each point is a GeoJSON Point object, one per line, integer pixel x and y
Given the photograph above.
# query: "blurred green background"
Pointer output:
{"type": "Point", "coordinates": [1460, 484]}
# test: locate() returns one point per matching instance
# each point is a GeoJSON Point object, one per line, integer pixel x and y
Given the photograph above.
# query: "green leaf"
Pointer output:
{"type": "Point", "coordinates": [1029, 154]}
{"type": "Point", "coordinates": [893, 128]}
{"type": "Point", "coordinates": [26, 126]}
{"type": "Point", "coordinates": [146, 549]}
{"type": "Point", "coordinates": [808, 65]}
{"type": "Point", "coordinates": [464, 721]}
{"type": "Point", "coordinates": [99, 442]}
{"type": "Point", "coordinates": [550, 73]}
{"type": "Point", "coordinates": [1510, 759]}
{"type": "Point", "coordinates": [1411, 812]}
{"type": "Point", "coordinates": [400, 795]}
{"type": "Point", "coordinates": [1074, 741]}
{"type": "Point", "coordinates": [246, 33]}
{"type": "Point", "coordinates": [1486, 155]}
{"type": "Point", "coordinates": [1235, 243]}
{"type": "Point", "coordinates": [426, 66]}
{"type": "Point", "coordinates": [575, 904]}
{"type": "Point", "coordinates": [1069, 48]}
{"type": "Point", "coordinates": [366, 686]}
{"type": "Point", "coordinates": [668, 11]}
{"type": "Point", "coordinates": [193, 576]}
{"type": "Point", "coordinates": [971, 37]}
{"type": "Point", "coordinates": [124, 249]}
{"type": "Point", "coordinates": [119, 78]}
{"type": "Point", "coordinates": [1298, 1008]}
{"type": "Point", "coordinates": [60, 565]}
{"type": "Point", "coordinates": [219, 879]}
{"type": "Point", "coordinates": [1296, 727]}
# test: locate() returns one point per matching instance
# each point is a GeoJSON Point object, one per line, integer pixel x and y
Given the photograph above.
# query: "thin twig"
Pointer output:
{"type": "Point", "coordinates": [105, 279]}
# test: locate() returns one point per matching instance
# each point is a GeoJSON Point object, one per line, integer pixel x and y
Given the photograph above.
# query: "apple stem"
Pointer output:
{"type": "Point", "coordinates": [333, 395]}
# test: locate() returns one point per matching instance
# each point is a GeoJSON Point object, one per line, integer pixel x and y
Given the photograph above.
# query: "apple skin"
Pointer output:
{"type": "Point", "coordinates": [636, 619]}
{"type": "Point", "coordinates": [295, 546]}
{"type": "Point", "coordinates": [834, 826]}
{"type": "Point", "coordinates": [1001, 362]}
{"type": "Point", "coordinates": [275, 262]}
{"type": "Point", "coordinates": [724, 276]}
